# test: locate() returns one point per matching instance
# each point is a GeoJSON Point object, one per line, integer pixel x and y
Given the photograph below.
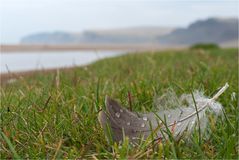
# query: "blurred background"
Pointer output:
{"type": "Point", "coordinates": [43, 34]}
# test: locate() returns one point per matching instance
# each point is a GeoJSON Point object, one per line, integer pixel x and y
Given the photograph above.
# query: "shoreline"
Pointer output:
{"type": "Point", "coordinates": [7, 76]}
{"type": "Point", "coordinates": [86, 47]}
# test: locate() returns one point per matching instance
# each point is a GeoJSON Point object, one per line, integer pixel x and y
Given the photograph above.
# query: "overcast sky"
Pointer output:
{"type": "Point", "coordinates": [23, 17]}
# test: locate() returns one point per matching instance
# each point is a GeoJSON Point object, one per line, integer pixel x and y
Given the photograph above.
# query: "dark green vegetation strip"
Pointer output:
{"type": "Point", "coordinates": [55, 115]}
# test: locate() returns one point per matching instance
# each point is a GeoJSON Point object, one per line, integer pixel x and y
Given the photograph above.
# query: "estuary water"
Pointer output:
{"type": "Point", "coordinates": [28, 61]}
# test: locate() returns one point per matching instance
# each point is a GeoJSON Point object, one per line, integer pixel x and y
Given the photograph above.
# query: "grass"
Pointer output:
{"type": "Point", "coordinates": [54, 115]}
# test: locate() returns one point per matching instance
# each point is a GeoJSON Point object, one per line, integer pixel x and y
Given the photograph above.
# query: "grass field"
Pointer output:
{"type": "Point", "coordinates": [54, 115]}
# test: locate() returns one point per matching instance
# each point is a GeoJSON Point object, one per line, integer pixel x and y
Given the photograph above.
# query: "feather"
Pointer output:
{"type": "Point", "coordinates": [181, 119]}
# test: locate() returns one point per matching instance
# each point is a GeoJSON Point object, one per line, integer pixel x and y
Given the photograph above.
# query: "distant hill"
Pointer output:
{"type": "Point", "coordinates": [212, 30]}
{"type": "Point", "coordinates": [50, 38]}
{"type": "Point", "coordinates": [125, 35]}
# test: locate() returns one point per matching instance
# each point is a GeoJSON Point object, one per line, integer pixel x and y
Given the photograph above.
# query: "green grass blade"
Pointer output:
{"type": "Point", "coordinates": [10, 145]}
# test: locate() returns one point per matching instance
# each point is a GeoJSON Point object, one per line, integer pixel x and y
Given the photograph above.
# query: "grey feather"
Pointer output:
{"type": "Point", "coordinates": [179, 120]}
